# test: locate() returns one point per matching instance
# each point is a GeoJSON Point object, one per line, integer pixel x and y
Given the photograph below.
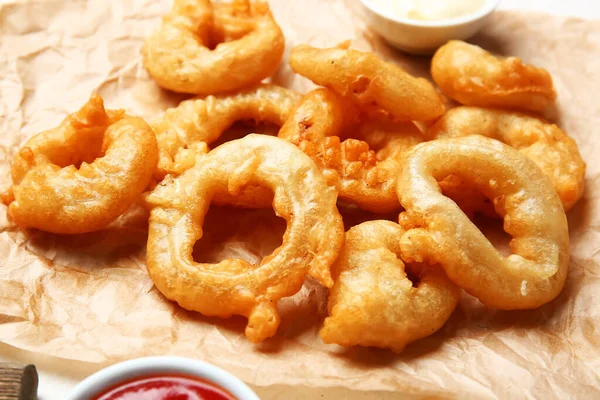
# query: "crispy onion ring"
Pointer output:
{"type": "Point", "coordinates": [474, 77]}
{"type": "Point", "coordinates": [81, 175]}
{"type": "Point", "coordinates": [315, 126]}
{"type": "Point", "coordinates": [177, 55]}
{"type": "Point", "coordinates": [438, 232]}
{"type": "Point", "coordinates": [369, 82]}
{"type": "Point", "coordinates": [319, 114]}
{"type": "Point", "coordinates": [544, 143]}
{"type": "Point", "coordinates": [311, 242]}
{"type": "Point", "coordinates": [373, 302]}
{"type": "Point", "coordinates": [182, 130]}
{"type": "Point", "coordinates": [353, 168]}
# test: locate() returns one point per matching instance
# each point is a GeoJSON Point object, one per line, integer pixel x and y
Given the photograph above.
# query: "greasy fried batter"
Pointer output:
{"type": "Point", "coordinates": [311, 243]}
{"type": "Point", "coordinates": [182, 130]}
{"type": "Point", "coordinates": [232, 21]}
{"type": "Point", "coordinates": [392, 140]}
{"type": "Point", "coordinates": [178, 56]}
{"type": "Point", "coordinates": [373, 302]}
{"type": "Point", "coordinates": [544, 143]}
{"type": "Point", "coordinates": [81, 175]}
{"type": "Point", "coordinates": [354, 169]}
{"type": "Point", "coordinates": [474, 77]}
{"type": "Point", "coordinates": [438, 232]}
{"type": "Point", "coordinates": [315, 126]}
{"type": "Point", "coordinates": [320, 113]}
{"type": "Point", "coordinates": [389, 138]}
{"type": "Point", "coordinates": [358, 153]}
{"type": "Point", "coordinates": [369, 82]}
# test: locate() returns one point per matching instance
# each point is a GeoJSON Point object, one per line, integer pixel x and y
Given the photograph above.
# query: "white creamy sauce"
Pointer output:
{"type": "Point", "coordinates": [429, 10]}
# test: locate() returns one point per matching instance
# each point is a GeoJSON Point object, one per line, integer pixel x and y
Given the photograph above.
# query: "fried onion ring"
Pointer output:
{"type": "Point", "coordinates": [437, 231]}
{"type": "Point", "coordinates": [350, 165]}
{"type": "Point", "coordinates": [544, 143]}
{"type": "Point", "coordinates": [319, 114]}
{"type": "Point", "coordinates": [181, 130]}
{"type": "Point", "coordinates": [311, 242]}
{"type": "Point", "coordinates": [474, 77]}
{"type": "Point", "coordinates": [177, 55]}
{"type": "Point", "coordinates": [369, 82]}
{"type": "Point", "coordinates": [373, 302]}
{"type": "Point", "coordinates": [83, 174]}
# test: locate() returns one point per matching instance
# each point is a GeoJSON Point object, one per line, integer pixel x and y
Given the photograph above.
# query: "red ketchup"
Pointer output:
{"type": "Point", "coordinates": [166, 387]}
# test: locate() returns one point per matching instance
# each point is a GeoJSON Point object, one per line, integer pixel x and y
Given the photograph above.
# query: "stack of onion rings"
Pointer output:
{"type": "Point", "coordinates": [373, 135]}
{"type": "Point", "coordinates": [364, 167]}
{"type": "Point", "coordinates": [362, 88]}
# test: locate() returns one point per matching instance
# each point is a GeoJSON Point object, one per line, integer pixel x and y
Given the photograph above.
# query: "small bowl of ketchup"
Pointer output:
{"type": "Point", "coordinates": [162, 378]}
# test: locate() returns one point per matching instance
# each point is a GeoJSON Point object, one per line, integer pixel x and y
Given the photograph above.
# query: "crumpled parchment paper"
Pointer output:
{"type": "Point", "coordinates": [88, 297]}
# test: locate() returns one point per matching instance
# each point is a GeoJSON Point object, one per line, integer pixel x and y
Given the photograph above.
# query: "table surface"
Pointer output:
{"type": "Point", "coordinates": [57, 376]}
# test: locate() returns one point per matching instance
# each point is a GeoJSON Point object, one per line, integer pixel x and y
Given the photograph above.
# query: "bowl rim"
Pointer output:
{"type": "Point", "coordinates": [124, 371]}
{"type": "Point", "coordinates": [488, 8]}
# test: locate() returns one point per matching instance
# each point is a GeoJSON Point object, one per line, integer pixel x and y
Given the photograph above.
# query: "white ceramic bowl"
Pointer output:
{"type": "Point", "coordinates": [109, 377]}
{"type": "Point", "coordinates": [424, 37]}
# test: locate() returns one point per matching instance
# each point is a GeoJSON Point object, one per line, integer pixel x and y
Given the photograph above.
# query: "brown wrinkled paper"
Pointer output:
{"type": "Point", "coordinates": [88, 297]}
